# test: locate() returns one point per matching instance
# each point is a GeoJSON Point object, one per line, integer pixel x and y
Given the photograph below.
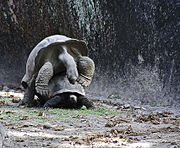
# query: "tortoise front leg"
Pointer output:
{"type": "Point", "coordinates": [54, 101]}
{"type": "Point", "coordinates": [28, 97]}
{"type": "Point", "coordinates": [69, 63]}
{"type": "Point", "coordinates": [42, 80]}
{"type": "Point", "coordinates": [82, 100]}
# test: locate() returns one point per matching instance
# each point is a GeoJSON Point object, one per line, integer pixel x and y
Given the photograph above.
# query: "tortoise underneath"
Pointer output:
{"type": "Point", "coordinates": [63, 94]}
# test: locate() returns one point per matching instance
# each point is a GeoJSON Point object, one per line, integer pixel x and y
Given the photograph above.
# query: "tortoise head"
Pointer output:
{"type": "Point", "coordinates": [73, 98]}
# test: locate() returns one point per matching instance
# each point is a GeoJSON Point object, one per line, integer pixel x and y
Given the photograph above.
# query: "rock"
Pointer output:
{"type": "Point", "coordinates": [16, 100]}
{"type": "Point", "coordinates": [47, 126]}
{"type": "Point", "coordinates": [57, 128]}
{"type": "Point", "coordinates": [5, 88]}
{"type": "Point", "coordinates": [127, 106]}
{"type": "Point", "coordinates": [12, 90]}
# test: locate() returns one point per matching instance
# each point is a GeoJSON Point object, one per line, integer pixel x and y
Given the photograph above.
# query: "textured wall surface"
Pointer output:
{"type": "Point", "coordinates": [134, 44]}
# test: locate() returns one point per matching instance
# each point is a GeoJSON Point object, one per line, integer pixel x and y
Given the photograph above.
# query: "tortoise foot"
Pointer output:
{"type": "Point", "coordinates": [43, 90]}
{"type": "Point", "coordinates": [28, 97]}
{"type": "Point", "coordinates": [42, 80]}
{"type": "Point", "coordinates": [83, 81]}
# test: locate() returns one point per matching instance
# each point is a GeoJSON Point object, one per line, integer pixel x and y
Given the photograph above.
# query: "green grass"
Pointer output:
{"type": "Point", "coordinates": [73, 114]}
{"type": "Point", "coordinates": [53, 115]}
{"type": "Point", "coordinates": [17, 114]}
{"type": "Point", "coordinates": [5, 99]}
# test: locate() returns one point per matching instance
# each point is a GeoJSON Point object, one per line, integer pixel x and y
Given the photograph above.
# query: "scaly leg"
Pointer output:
{"type": "Point", "coordinates": [82, 100]}
{"type": "Point", "coordinates": [42, 80]}
{"type": "Point", "coordinates": [54, 101]}
{"type": "Point", "coordinates": [28, 97]}
{"type": "Point", "coordinates": [86, 69]}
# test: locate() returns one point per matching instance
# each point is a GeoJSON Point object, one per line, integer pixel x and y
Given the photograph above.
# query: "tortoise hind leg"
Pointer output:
{"type": "Point", "coordinates": [42, 80]}
{"type": "Point", "coordinates": [86, 69]}
{"type": "Point", "coordinates": [28, 97]}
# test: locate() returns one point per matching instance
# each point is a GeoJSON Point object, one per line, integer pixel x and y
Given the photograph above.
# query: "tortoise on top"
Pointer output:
{"type": "Point", "coordinates": [54, 54]}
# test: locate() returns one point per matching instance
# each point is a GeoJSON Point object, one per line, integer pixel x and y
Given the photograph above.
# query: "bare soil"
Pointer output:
{"type": "Point", "coordinates": [109, 125]}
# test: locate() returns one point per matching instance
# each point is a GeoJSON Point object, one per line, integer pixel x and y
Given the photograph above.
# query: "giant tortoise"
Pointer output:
{"type": "Point", "coordinates": [63, 94]}
{"type": "Point", "coordinates": [54, 54]}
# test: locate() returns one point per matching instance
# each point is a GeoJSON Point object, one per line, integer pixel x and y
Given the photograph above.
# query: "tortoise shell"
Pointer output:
{"type": "Point", "coordinates": [48, 50]}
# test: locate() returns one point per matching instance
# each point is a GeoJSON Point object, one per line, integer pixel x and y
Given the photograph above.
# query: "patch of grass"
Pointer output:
{"type": "Point", "coordinates": [76, 115]}
{"type": "Point", "coordinates": [104, 111]}
{"type": "Point", "coordinates": [9, 115]}
{"type": "Point", "coordinates": [18, 114]}
{"type": "Point", "coordinates": [6, 99]}
{"type": "Point", "coordinates": [52, 115]}
{"type": "Point", "coordinates": [59, 114]}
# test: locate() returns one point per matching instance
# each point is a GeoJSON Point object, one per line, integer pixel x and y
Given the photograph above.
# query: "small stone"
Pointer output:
{"type": "Point", "coordinates": [109, 124]}
{"type": "Point", "coordinates": [127, 106]}
{"type": "Point", "coordinates": [19, 91]}
{"type": "Point", "coordinates": [58, 128]}
{"type": "Point", "coordinates": [47, 126]}
{"type": "Point", "coordinates": [20, 140]}
{"type": "Point", "coordinates": [41, 113]}
{"type": "Point", "coordinates": [16, 100]}
{"type": "Point", "coordinates": [2, 103]}
{"type": "Point", "coordinates": [25, 118]}
{"type": "Point", "coordinates": [121, 136]}
{"type": "Point", "coordinates": [66, 139]}
{"type": "Point", "coordinates": [5, 88]}
{"type": "Point", "coordinates": [12, 90]}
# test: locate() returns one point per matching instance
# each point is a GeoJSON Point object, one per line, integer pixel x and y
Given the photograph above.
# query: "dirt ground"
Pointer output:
{"type": "Point", "coordinates": [109, 125]}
